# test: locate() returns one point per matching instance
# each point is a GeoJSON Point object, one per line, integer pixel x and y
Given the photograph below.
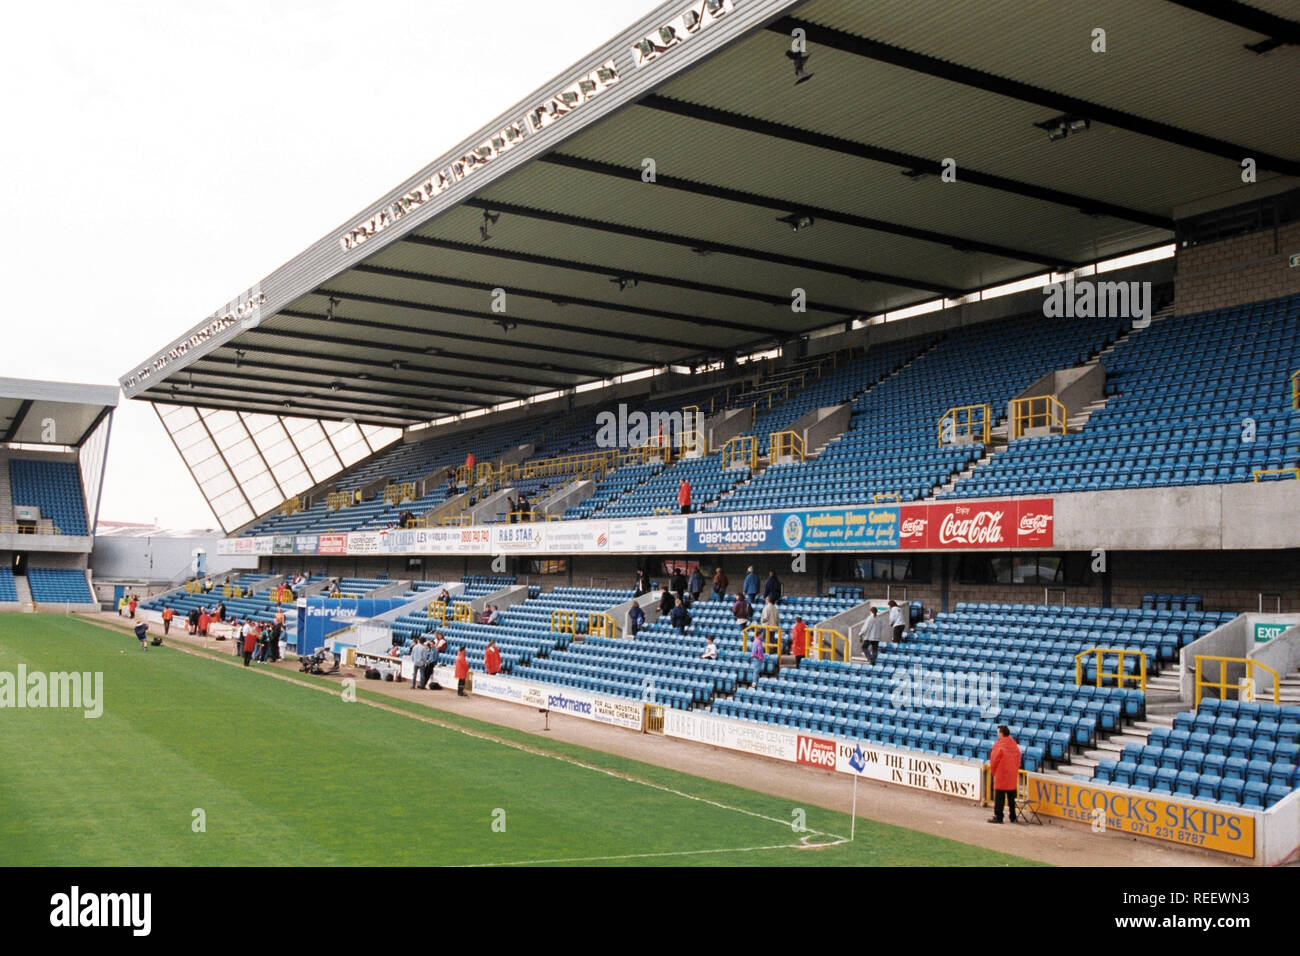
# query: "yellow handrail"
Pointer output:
{"type": "Point", "coordinates": [1293, 472]}
{"type": "Point", "coordinates": [436, 610]}
{"type": "Point", "coordinates": [1119, 674]}
{"type": "Point", "coordinates": [1038, 411]}
{"type": "Point", "coordinates": [290, 506]}
{"type": "Point", "coordinates": [1222, 685]}
{"type": "Point", "coordinates": [771, 637]}
{"type": "Point", "coordinates": [338, 499]}
{"type": "Point", "coordinates": [455, 520]}
{"type": "Point", "coordinates": [28, 529]}
{"type": "Point", "coordinates": [600, 624]}
{"type": "Point", "coordinates": [462, 612]}
{"type": "Point", "coordinates": [743, 449]}
{"type": "Point", "coordinates": [785, 444]}
{"type": "Point", "coordinates": [886, 496]}
{"type": "Point", "coordinates": [978, 417]}
{"type": "Point", "coordinates": [822, 644]}
{"type": "Point", "coordinates": [1295, 389]}
{"type": "Point", "coordinates": [564, 621]}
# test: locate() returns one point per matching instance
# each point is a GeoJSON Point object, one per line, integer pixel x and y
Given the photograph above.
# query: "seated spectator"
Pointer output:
{"type": "Point", "coordinates": [444, 596]}
{"type": "Point", "coordinates": [495, 616]}
{"type": "Point", "coordinates": [395, 650]}
{"type": "Point", "coordinates": [710, 650]}
{"type": "Point", "coordinates": [487, 613]}
{"type": "Point", "coordinates": [439, 642]}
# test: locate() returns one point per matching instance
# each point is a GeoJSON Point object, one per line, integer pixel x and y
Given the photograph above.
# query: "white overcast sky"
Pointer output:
{"type": "Point", "coordinates": [161, 157]}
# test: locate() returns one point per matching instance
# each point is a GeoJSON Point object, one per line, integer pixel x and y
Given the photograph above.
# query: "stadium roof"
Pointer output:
{"type": "Point", "coordinates": [1063, 155]}
{"type": "Point", "coordinates": [52, 413]}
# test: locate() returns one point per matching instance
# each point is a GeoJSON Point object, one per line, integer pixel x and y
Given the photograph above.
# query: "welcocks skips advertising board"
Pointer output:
{"type": "Point", "coordinates": [921, 771]}
{"type": "Point", "coordinates": [1211, 826]}
{"type": "Point", "coordinates": [943, 526]}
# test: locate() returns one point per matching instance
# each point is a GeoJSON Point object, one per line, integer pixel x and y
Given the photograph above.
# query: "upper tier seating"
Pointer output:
{"type": "Point", "coordinates": [52, 486]}
{"type": "Point", "coordinates": [891, 446]}
{"type": "Point", "coordinates": [1181, 392]}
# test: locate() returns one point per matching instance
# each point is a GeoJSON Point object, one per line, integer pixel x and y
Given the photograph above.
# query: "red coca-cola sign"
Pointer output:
{"type": "Point", "coordinates": [990, 525]}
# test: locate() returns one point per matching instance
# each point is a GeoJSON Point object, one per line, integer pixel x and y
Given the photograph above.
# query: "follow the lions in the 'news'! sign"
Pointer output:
{"type": "Point", "coordinates": [1210, 827]}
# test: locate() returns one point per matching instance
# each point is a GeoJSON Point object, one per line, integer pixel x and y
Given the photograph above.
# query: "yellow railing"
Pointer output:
{"type": "Point", "coordinates": [785, 444]}
{"type": "Point", "coordinates": [1293, 472]}
{"type": "Point", "coordinates": [653, 720]}
{"type": "Point", "coordinates": [28, 529]}
{"type": "Point", "coordinates": [979, 422]}
{"type": "Point", "coordinates": [1102, 674]}
{"type": "Point", "coordinates": [1295, 389]}
{"type": "Point", "coordinates": [1223, 685]}
{"type": "Point", "coordinates": [437, 611]}
{"type": "Point", "coordinates": [661, 510]}
{"type": "Point", "coordinates": [232, 591]}
{"type": "Point", "coordinates": [694, 441]}
{"type": "Point", "coordinates": [454, 520]}
{"type": "Point", "coordinates": [462, 612]}
{"type": "Point", "coordinates": [771, 637]}
{"type": "Point", "coordinates": [828, 644]}
{"type": "Point", "coordinates": [1038, 411]}
{"type": "Point", "coordinates": [290, 506]}
{"type": "Point", "coordinates": [564, 621]}
{"type": "Point", "coordinates": [741, 450]}
{"type": "Point", "coordinates": [600, 624]}
{"type": "Point", "coordinates": [338, 499]}
{"type": "Point", "coordinates": [886, 496]}
{"type": "Point", "coordinates": [395, 494]}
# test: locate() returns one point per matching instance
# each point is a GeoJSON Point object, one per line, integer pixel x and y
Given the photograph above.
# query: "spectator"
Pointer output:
{"type": "Point", "coordinates": [487, 613]}
{"type": "Point", "coordinates": [192, 621]}
{"type": "Point", "coordinates": [666, 601]}
{"type": "Point", "coordinates": [873, 632]}
{"type": "Point", "coordinates": [696, 584]}
{"type": "Point", "coordinates": [250, 643]}
{"type": "Point", "coordinates": [772, 588]}
{"type": "Point", "coordinates": [750, 587]}
{"type": "Point", "coordinates": [896, 620]}
{"type": "Point", "coordinates": [462, 671]}
{"type": "Point", "coordinates": [207, 585]}
{"type": "Point", "coordinates": [492, 658]}
{"type": "Point", "coordinates": [635, 619]}
{"type": "Point", "coordinates": [720, 584]}
{"type": "Point", "coordinates": [710, 650]}
{"type": "Point", "coordinates": [642, 585]}
{"type": "Point", "coordinates": [679, 583]}
{"type": "Point", "coordinates": [419, 658]}
{"type": "Point", "coordinates": [277, 632]}
{"type": "Point", "coordinates": [678, 617]}
{"type": "Point", "coordinates": [132, 605]}
{"type": "Point", "coordinates": [167, 615]}
{"type": "Point", "coordinates": [512, 509]}
{"type": "Point", "coordinates": [799, 640]}
{"type": "Point", "coordinates": [439, 644]}
{"type": "Point", "coordinates": [525, 508]}
{"type": "Point", "coordinates": [756, 649]}
{"type": "Point", "coordinates": [495, 616]}
{"type": "Point", "coordinates": [395, 650]}
{"type": "Point", "coordinates": [1004, 762]}
{"type": "Point", "coordinates": [204, 620]}
{"type": "Point", "coordinates": [742, 609]}
{"type": "Point", "coordinates": [141, 630]}
{"type": "Point", "coordinates": [684, 496]}
{"type": "Point", "coordinates": [444, 596]}
{"type": "Point", "coordinates": [771, 616]}
{"type": "Point", "coordinates": [219, 615]}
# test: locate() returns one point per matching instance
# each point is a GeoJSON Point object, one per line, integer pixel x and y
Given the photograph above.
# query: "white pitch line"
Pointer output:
{"type": "Point", "coordinates": [644, 856]}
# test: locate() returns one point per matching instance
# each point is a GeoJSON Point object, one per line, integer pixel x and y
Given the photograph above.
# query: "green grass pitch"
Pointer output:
{"type": "Point", "coordinates": [285, 774]}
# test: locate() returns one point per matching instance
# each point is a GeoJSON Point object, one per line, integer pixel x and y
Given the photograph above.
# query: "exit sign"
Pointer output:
{"type": "Point", "coordinates": [1266, 632]}
{"type": "Point", "coordinates": [1295, 259]}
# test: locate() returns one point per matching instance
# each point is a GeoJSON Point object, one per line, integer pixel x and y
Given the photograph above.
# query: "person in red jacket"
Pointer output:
{"type": "Point", "coordinates": [204, 621]}
{"type": "Point", "coordinates": [1004, 761]}
{"type": "Point", "coordinates": [133, 605]}
{"type": "Point", "coordinates": [492, 658]}
{"type": "Point", "coordinates": [462, 672]}
{"type": "Point", "coordinates": [684, 496]}
{"type": "Point", "coordinates": [799, 640]}
{"type": "Point", "coordinates": [250, 641]}
{"type": "Point", "coordinates": [167, 615]}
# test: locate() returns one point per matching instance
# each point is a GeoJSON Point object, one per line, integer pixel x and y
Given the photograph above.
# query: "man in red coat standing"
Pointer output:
{"type": "Point", "coordinates": [462, 672]}
{"type": "Point", "coordinates": [684, 496]}
{"type": "Point", "coordinates": [1004, 761]}
{"type": "Point", "coordinates": [492, 658]}
{"type": "Point", "coordinates": [251, 637]}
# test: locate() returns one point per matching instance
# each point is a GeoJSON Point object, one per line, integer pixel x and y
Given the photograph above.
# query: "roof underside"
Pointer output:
{"type": "Point", "coordinates": [604, 273]}
{"type": "Point", "coordinates": [52, 413]}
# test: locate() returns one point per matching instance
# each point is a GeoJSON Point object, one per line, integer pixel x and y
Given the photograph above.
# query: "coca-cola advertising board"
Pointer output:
{"type": "Point", "coordinates": [987, 525]}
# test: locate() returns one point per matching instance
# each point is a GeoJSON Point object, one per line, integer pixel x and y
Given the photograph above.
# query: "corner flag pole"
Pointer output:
{"type": "Point", "coordinates": [853, 819]}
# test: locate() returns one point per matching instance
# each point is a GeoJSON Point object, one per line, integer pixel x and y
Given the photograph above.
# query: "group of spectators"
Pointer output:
{"type": "Point", "coordinates": [491, 615]}
{"type": "Point", "coordinates": [426, 651]}
{"type": "Point", "coordinates": [520, 510]}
